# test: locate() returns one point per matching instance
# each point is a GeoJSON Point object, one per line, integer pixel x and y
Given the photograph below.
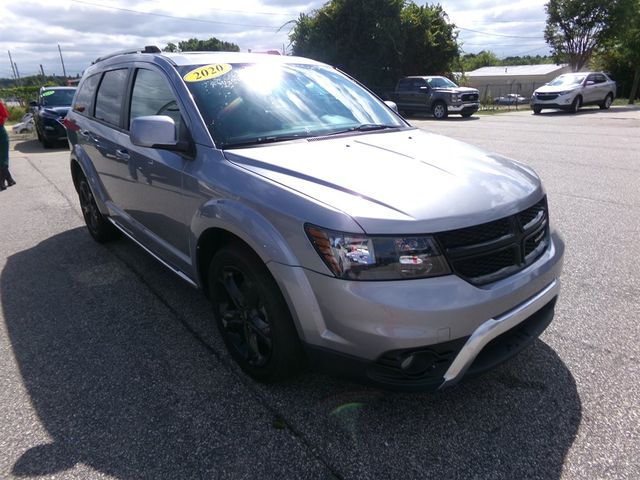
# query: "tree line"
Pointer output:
{"type": "Point", "coordinates": [379, 41]}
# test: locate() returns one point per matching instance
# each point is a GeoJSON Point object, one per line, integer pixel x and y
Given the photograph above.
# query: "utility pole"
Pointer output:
{"type": "Point", "coordinates": [64, 72]}
{"type": "Point", "coordinates": [13, 68]}
{"type": "Point", "coordinates": [42, 70]}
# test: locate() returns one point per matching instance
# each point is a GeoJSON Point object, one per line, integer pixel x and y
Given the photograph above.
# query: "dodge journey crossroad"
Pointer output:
{"type": "Point", "coordinates": [324, 228]}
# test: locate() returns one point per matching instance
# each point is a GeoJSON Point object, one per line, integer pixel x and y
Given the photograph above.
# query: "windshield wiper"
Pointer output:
{"type": "Point", "coordinates": [263, 140]}
{"type": "Point", "coordinates": [365, 127]}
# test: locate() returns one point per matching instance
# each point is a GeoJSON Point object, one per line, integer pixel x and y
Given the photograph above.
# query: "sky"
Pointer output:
{"type": "Point", "coordinates": [86, 29]}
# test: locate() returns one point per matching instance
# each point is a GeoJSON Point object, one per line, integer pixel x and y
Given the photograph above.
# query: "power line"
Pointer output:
{"type": "Point", "coordinates": [245, 12]}
{"type": "Point", "coordinates": [490, 34]}
{"type": "Point", "coordinates": [199, 20]}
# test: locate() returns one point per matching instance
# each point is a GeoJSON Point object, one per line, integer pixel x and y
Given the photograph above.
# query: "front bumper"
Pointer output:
{"type": "Point", "coordinates": [53, 129]}
{"type": "Point", "coordinates": [366, 323]}
{"type": "Point", "coordinates": [562, 102]}
{"type": "Point", "coordinates": [464, 108]}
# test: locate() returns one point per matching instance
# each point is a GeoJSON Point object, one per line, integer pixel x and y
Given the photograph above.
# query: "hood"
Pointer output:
{"type": "Point", "coordinates": [406, 181]}
{"type": "Point", "coordinates": [556, 88]}
{"type": "Point", "coordinates": [457, 90]}
{"type": "Point", "coordinates": [57, 111]}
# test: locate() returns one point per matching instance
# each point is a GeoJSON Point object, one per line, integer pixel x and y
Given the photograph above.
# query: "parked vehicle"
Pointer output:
{"type": "Point", "coordinates": [512, 99]}
{"type": "Point", "coordinates": [436, 95]}
{"type": "Point", "coordinates": [322, 226]}
{"type": "Point", "coordinates": [25, 125]}
{"type": "Point", "coordinates": [49, 112]}
{"type": "Point", "coordinates": [571, 91]}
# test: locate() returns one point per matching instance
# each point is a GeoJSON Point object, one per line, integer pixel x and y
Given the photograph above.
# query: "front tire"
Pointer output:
{"type": "Point", "coordinates": [99, 227]}
{"type": "Point", "coordinates": [536, 110]}
{"type": "Point", "coordinates": [252, 316]}
{"type": "Point", "coordinates": [440, 111]}
{"type": "Point", "coordinates": [576, 104]}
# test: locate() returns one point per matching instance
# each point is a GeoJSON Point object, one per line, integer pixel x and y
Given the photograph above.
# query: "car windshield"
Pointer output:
{"type": "Point", "coordinates": [57, 98]}
{"type": "Point", "coordinates": [441, 82]}
{"type": "Point", "coordinates": [566, 80]}
{"type": "Point", "coordinates": [248, 104]}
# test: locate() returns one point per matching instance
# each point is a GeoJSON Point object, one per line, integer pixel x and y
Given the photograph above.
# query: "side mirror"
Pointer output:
{"type": "Point", "coordinates": [590, 82]}
{"type": "Point", "coordinates": [156, 131]}
{"type": "Point", "coordinates": [33, 104]}
{"type": "Point", "coordinates": [391, 105]}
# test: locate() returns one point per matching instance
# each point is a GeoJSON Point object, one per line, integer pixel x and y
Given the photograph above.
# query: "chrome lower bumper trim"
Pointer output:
{"type": "Point", "coordinates": [494, 327]}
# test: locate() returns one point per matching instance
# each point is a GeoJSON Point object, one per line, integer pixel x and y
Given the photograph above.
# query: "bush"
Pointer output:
{"type": "Point", "coordinates": [16, 113]}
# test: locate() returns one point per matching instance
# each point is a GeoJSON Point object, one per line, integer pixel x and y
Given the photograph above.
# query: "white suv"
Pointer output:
{"type": "Point", "coordinates": [574, 90]}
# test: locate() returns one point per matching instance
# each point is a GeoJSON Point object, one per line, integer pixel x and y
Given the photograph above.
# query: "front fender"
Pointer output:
{"type": "Point", "coordinates": [246, 224]}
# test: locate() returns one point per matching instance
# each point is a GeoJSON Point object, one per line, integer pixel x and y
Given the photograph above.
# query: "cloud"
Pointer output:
{"type": "Point", "coordinates": [86, 31]}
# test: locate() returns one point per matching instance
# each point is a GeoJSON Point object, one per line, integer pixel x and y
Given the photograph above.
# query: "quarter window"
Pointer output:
{"type": "Point", "coordinates": [109, 98]}
{"type": "Point", "coordinates": [86, 93]}
{"type": "Point", "coordinates": [153, 96]}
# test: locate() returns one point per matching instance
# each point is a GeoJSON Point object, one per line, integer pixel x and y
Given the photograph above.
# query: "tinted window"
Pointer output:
{"type": "Point", "coordinates": [86, 93]}
{"type": "Point", "coordinates": [152, 96]}
{"type": "Point", "coordinates": [57, 98]}
{"type": "Point", "coordinates": [404, 84]}
{"type": "Point", "coordinates": [109, 98]}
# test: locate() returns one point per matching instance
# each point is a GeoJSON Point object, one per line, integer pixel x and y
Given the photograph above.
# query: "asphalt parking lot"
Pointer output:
{"type": "Point", "coordinates": [110, 366]}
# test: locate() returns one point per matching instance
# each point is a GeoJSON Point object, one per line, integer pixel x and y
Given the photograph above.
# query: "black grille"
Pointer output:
{"type": "Point", "coordinates": [546, 96]}
{"type": "Point", "coordinates": [469, 97]}
{"type": "Point", "coordinates": [489, 252]}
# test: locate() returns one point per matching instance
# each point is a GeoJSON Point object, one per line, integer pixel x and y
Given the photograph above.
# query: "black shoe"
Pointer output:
{"type": "Point", "coordinates": [11, 183]}
{"type": "Point", "coordinates": [2, 187]}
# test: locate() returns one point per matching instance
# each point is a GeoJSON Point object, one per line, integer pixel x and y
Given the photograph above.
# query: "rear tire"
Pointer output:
{"type": "Point", "coordinates": [252, 316]}
{"type": "Point", "coordinates": [606, 103]}
{"type": "Point", "coordinates": [439, 110]}
{"type": "Point", "coordinates": [99, 227]}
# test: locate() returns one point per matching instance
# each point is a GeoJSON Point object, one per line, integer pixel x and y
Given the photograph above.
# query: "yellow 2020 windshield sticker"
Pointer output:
{"type": "Point", "coordinates": [207, 72]}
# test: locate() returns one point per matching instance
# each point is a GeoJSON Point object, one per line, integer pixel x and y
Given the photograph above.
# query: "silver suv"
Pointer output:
{"type": "Point", "coordinates": [323, 227]}
{"type": "Point", "coordinates": [571, 91]}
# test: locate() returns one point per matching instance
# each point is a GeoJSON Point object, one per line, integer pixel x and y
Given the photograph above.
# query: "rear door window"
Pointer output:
{"type": "Point", "coordinates": [110, 96]}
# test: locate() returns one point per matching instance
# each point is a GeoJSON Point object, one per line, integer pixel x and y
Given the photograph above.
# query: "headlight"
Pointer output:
{"type": "Point", "coordinates": [360, 257]}
{"type": "Point", "coordinates": [455, 97]}
{"type": "Point", "coordinates": [565, 92]}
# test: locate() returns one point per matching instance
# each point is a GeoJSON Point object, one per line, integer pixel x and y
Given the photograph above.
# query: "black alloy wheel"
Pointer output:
{"type": "Point", "coordinates": [252, 316]}
{"type": "Point", "coordinates": [99, 227]}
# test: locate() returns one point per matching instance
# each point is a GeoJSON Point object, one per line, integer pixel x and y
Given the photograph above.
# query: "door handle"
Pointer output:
{"type": "Point", "coordinates": [122, 154]}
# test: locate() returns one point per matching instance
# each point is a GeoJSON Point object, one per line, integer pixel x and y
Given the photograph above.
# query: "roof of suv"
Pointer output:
{"type": "Point", "coordinates": [200, 58]}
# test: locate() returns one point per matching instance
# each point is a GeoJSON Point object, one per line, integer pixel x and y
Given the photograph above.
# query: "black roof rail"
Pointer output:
{"type": "Point", "coordinates": [147, 49]}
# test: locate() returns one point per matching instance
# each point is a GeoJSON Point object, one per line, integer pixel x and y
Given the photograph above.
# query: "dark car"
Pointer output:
{"type": "Point", "coordinates": [49, 111]}
{"type": "Point", "coordinates": [436, 95]}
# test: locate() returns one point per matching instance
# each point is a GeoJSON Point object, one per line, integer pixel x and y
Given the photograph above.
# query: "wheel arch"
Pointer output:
{"type": "Point", "coordinates": [80, 165]}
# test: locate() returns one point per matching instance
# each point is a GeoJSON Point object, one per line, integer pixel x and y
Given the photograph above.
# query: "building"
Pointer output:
{"type": "Point", "coordinates": [494, 82]}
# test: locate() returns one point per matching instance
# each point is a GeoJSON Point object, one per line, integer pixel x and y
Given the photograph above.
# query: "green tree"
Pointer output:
{"type": "Point", "coordinates": [429, 41]}
{"type": "Point", "coordinates": [626, 42]}
{"type": "Point", "coordinates": [576, 28]}
{"type": "Point", "coordinates": [196, 45]}
{"type": "Point", "coordinates": [377, 41]}
{"type": "Point", "coordinates": [473, 61]}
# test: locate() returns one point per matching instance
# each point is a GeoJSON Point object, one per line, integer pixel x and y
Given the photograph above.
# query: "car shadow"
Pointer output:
{"type": "Point", "coordinates": [450, 118]}
{"type": "Point", "coordinates": [120, 364]}
{"type": "Point", "coordinates": [560, 113]}
{"type": "Point", "coordinates": [32, 145]}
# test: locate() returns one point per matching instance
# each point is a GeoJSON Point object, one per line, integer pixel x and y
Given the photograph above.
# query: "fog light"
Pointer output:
{"type": "Point", "coordinates": [420, 363]}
